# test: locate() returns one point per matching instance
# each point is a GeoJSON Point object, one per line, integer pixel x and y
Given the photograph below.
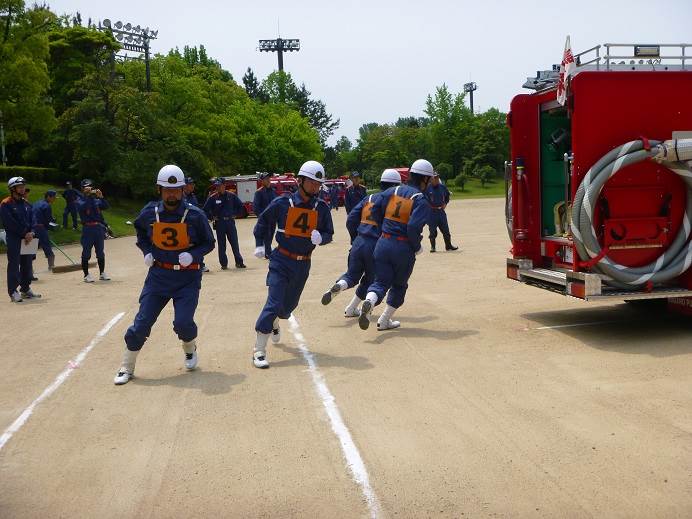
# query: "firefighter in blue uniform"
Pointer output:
{"type": "Point", "coordinates": [222, 207]}
{"type": "Point", "coordinates": [174, 236]}
{"type": "Point", "coordinates": [334, 196]}
{"type": "Point", "coordinates": [16, 215]}
{"type": "Point", "coordinates": [263, 197]}
{"type": "Point", "coordinates": [72, 197]}
{"type": "Point", "coordinates": [364, 235]}
{"type": "Point", "coordinates": [304, 221]}
{"type": "Point", "coordinates": [189, 195]}
{"type": "Point", "coordinates": [438, 196]}
{"type": "Point", "coordinates": [90, 208]}
{"type": "Point", "coordinates": [402, 212]}
{"type": "Point", "coordinates": [43, 221]}
{"type": "Point", "coordinates": [355, 193]}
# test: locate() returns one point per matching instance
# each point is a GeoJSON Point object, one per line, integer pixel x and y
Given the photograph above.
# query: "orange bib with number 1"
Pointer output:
{"type": "Point", "coordinates": [366, 213]}
{"type": "Point", "coordinates": [300, 222]}
{"type": "Point", "coordinates": [399, 209]}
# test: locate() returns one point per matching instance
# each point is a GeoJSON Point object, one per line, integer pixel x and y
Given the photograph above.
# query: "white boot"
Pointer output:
{"type": "Point", "coordinates": [88, 278]}
{"type": "Point", "coordinates": [352, 309]}
{"type": "Point", "coordinates": [385, 321]}
{"type": "Point", "coordinates": [276, 332]}
{"type": "Point", "coordinates": [190, 349]}
{"type": "Point", "coordinates": [259, 355]}
{"type": "Point", "coordinates": [366, 310]}
{"type": "Point", "coordinates": [127, 368]}
{"type": "Point", "coordinates": [104, 277]}
{"type": "Point", "coordinates": [334, 291]}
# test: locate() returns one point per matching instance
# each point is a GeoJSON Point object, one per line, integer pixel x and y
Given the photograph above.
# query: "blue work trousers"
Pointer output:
{"type": "Point", "coordinates": [225, 230]}
{"type": "Point", "coordinates": [361, 265]}
{"type": "Point", "coordinates": [285, 281]}
{"type": "Point", "coordinates": [44, 241]}
{"type": "Point", "coordinates": [394, 261]}
{"type": "Point", "coordinates": [92, 236]}
{"type": "Point", "coordinates": [19, 267]}
{"type": "Point", "coordinates": [160, 286]}
{"type": "Point", "coordinates": [69, 210]}
{"type": "Point", "coordinates": [438, 219]}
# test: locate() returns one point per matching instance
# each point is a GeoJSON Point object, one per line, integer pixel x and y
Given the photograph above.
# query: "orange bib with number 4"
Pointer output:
{"type": "Point", "coordinates": [399, 209]}
{"type": "Point", "coordinates": [300, 222]}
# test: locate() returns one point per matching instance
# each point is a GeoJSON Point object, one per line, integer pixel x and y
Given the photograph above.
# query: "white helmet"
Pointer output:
{"type": "Point", "coordinates": [422, 167]}
{"type": "Point", "coordinates": [312, 169]}
{"type": "Point", "coordinates": [15, 181]}
{"type": "Point", "coordinates": [170, 176]}
{"type": "Point", "coordinates": [391, 176]}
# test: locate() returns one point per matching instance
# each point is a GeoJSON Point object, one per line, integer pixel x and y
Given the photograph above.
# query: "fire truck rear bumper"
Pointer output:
{"type": "Point", "coordinates": [582, 285]}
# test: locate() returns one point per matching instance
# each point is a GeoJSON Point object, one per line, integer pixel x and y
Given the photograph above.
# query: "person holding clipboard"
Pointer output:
{"type": "Point", "coordinates": [22, 245]}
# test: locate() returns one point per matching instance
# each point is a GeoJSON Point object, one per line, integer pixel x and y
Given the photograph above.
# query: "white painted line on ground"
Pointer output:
{"type": "Point", "coordinates": [354, 461]}
{"type": "Point", "coordinates": [575, 324]}
{"type": "Point", "coordinates": [62, 377]}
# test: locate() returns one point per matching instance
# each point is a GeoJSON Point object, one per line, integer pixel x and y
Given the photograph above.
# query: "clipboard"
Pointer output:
{"type": "Point", "coordinates": [29, 250]}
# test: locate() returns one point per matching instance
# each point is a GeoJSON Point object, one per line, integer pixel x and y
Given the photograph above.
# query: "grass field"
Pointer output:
{"type": "Point", "coordinates": [473, 189]}
{"type": "Point", "coordinates": [120, 212]}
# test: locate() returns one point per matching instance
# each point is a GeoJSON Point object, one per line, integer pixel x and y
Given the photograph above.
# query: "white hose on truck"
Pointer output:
{"type": "Point", "coordinates": [677, 156]}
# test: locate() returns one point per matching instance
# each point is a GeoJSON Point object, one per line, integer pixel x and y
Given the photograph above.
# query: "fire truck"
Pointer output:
{"type": "Point", "coordinates": [341, 183]}
{"type": "Point", "coordinates": [599, 182]}
{"type": "Point", "coordinates": [284, 184]}
{"type": "Point", "coordinates": [244, 186]}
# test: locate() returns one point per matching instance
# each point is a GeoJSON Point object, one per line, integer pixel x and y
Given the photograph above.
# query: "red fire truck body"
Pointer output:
{"type": "Point", "coordinates": [642, 208]}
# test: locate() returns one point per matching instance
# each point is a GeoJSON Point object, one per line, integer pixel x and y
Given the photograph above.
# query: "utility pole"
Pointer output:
{"type": "Point", "coordinates": [280, 45]}
{"type": "Point", "coordinates": [2, 140]}
{"type": "Point", "coordinates": [469, 88]}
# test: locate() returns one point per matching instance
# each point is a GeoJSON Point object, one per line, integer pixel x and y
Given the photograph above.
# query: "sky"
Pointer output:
{"type": "Point", "coordinates": [376, 61]}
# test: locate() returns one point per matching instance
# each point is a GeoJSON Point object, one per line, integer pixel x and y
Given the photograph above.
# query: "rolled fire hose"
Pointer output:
{"type": "Point", "coordinates": [677, 156]}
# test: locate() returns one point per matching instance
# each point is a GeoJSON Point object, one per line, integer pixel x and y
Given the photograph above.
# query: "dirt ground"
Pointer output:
{"type": "Point", "coordinates": [493, 399]}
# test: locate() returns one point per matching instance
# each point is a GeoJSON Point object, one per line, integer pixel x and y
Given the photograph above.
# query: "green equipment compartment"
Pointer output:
{"type": "Point", "coordinates": [552, 165]}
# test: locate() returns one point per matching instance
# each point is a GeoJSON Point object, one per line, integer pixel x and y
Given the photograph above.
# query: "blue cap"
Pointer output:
{"type": "Point", "coordinates": [355, 174]}
{"type": "Point", "coordinates": [189, 180]}
{"type": "Point", "coordinates": [264, 175]}
{"type": "Point", "coordinates": [50, 192]}
{"type": "Point", "coordinates": [218, 181]}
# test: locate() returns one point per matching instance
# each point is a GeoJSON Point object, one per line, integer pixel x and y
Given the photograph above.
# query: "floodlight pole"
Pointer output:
{"type": "Point", "coordinates": [146, 62]}
{"type": "Point", "coordinates": [469, 88]}
{"type": "Point", "coordinates": [136, 40]}
{"type": "Point", "coordinates": [279, 45]}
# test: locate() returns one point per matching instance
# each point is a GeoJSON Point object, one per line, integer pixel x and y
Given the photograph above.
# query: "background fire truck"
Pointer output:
{"type": "Point", "coordinates": [341, 183]}
{"type": "Point", "coordinates": [245, 187]}
{"type": "Point", "coordinates": [599, 190]}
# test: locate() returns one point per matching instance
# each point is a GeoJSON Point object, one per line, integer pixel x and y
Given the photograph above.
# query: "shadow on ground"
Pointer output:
{"type": "Point", "coordinates": [209, 382]}
{"type": "Point", "coordinates": [418, 333]}
{"type": "Point", "coordinates": [323, 359]}
{"type": "Point", "coordinates": [639, 329]}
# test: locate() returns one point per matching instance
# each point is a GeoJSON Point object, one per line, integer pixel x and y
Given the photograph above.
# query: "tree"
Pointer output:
{"type": "Point", "coordinates": [24, 78]}
{"type": "Point", "coordinates": [253, 87]}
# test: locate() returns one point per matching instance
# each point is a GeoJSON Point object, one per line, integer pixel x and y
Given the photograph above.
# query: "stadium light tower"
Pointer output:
{"type": "Point", "coordinates": [280, 45]}
{"type": "Point", "coordinates": [469, 88]}
{"type": "Point", "coordinates": [133, 39]}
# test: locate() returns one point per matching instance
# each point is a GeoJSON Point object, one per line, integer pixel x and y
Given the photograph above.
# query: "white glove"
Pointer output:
{"type": "Point", "coordinates": [316, 237]}
{"type": "Point", "coordinates": [185, 259]}
{"type": "Point", "coordinates": [420, 249]}
{"type": "Point", "coordinates": [259, 251]}
{"type": "Point", "coordinates": [149, 259]}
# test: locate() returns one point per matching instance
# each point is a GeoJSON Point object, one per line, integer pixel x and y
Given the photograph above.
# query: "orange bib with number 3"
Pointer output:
{"type": "Point", "coordinates": [399, 209]}
{"type": "Point", "coordinates": [366, 214]}
{"type": "Point", "coordinates": [170, 236]}
{"type": "Point", "coordinates": [300, 222]}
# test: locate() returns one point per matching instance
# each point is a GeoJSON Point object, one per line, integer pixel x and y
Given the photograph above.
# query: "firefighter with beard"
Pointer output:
{"type": "Point", "coordinates": [174, 237]}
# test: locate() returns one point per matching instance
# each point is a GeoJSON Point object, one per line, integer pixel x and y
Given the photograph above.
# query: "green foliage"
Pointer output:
{"type": "Point", "coordinates": [444, 170]}
{"type": "Point", "coordinates": [32, 174]}
{"type": "Point", "coordinates": [460, 181]}
{"type": "Point", "coordinates": [459, 142]}
{"type": "Point", "coordinates": [24, 78]}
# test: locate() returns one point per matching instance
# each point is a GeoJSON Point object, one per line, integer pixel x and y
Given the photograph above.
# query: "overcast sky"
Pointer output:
{"type": "Point", "coordinates": [374, 61]}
